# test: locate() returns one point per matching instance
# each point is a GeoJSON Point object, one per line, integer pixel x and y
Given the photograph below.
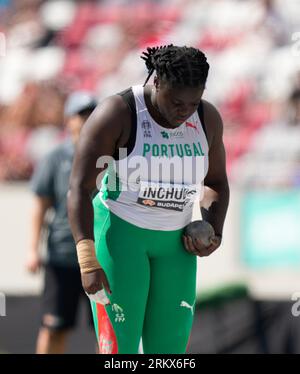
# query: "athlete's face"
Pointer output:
{"type": "Point", "coordinates": [176, 104]}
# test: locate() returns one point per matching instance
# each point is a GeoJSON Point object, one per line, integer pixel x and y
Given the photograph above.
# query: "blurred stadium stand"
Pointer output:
{"type": "Point", "coordinates": [55, 47]}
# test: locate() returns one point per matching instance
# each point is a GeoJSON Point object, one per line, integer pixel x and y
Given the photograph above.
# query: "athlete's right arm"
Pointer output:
{"type": "Point", "coordinates": [100, 136]}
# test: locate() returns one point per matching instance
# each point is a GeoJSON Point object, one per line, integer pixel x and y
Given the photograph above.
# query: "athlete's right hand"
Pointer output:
{"type": "Point", "coordinates": [94, 284]}
{"type": "Point", "coordinates": [33, 262]}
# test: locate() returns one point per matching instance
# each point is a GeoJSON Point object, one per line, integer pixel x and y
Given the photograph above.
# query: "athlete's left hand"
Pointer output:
{"type": "Point", "coordinates": [197, 248]}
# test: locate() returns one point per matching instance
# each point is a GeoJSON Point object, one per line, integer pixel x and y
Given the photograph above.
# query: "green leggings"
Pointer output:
{"type": "Point", "coordinates": [153, 284]}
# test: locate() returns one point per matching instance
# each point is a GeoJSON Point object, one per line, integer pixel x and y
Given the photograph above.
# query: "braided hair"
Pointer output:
{"type": "Point", "coordinates": [179, 66]}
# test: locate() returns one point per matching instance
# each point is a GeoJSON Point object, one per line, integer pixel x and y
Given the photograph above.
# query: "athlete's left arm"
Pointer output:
{"type": "Point", "coordinates": [216, 191]}
{"type": "Point", "coordinates": [216, 194]}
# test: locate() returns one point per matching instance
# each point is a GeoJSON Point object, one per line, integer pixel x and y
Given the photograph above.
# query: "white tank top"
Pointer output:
{"type": "Point", "coordinates": [156, 185]}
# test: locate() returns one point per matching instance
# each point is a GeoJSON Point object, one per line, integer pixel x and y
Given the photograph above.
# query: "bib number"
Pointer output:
{"type": "Point", "coordinates": [167, 196]}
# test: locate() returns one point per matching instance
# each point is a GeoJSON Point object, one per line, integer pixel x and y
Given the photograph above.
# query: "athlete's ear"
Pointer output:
{"type": "Point", "coordinates": [156, 83]}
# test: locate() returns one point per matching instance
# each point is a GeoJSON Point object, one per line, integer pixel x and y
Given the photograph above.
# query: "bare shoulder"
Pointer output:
{"type": "Point", "coordinates": [109, 122]}
{"type": "Point", "coordinates": [112, 109]}
{"type": "Point", "coordinates": [213, 121]}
